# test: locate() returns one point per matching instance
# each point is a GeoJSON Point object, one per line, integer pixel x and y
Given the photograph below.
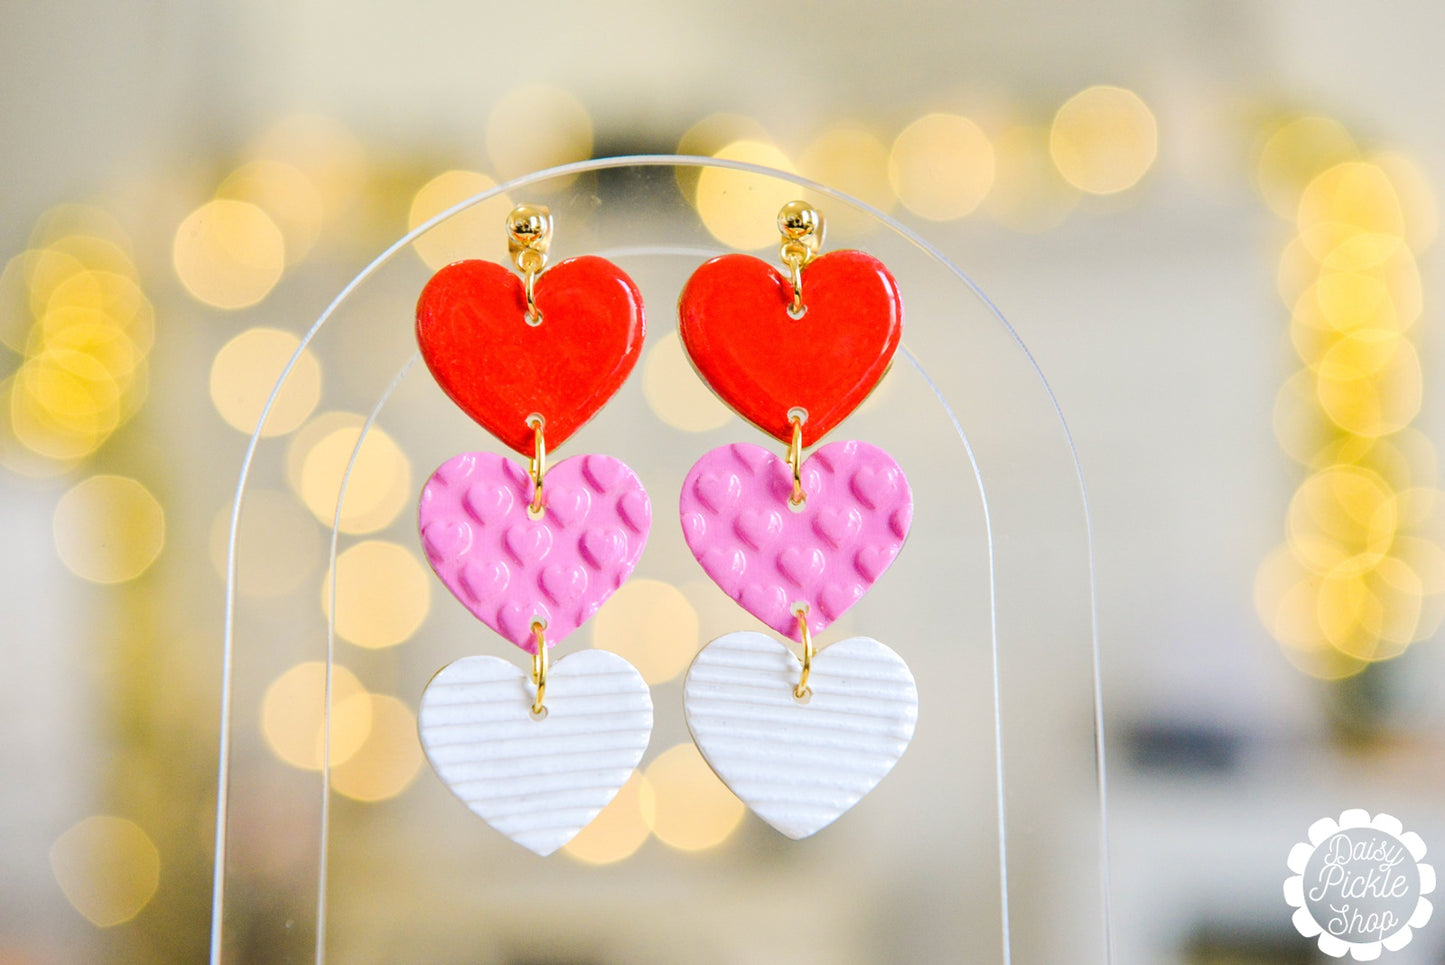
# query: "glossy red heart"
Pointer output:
{"type": "Point", "coordinates": [734, 322]}
{"type": "Point", "coordinates": [472, 328]}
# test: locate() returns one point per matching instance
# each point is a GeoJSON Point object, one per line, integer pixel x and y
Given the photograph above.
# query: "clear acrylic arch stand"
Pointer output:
{"type": "Point", "coordinates": [987, 842]}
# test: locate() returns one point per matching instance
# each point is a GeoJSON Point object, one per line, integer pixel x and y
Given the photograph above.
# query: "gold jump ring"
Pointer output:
{"type": "Point", "coordinates": [795, 461]}
{"type": "Point", "coordinates": [539, 666]}
{"type": "Point", "coordinates": [802, 691]}
{"type": "Point", "coordinates": [537, 466]}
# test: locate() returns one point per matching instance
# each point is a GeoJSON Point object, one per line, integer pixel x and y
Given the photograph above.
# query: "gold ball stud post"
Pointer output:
{"type": "Point", "coordinates": [529, 233]}
{"type": "Point", "coordinates": [529, 228]}
{"type": "Point", "coordinates": [800, 221]}
{"type": "Point", "coordinates": [801, 227]}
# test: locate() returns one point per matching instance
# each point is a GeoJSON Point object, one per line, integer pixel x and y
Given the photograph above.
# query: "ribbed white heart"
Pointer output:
{"type": "Point", "coordinates": [539, 782]}
{"type": "Point", "coordinates": [798, 765]}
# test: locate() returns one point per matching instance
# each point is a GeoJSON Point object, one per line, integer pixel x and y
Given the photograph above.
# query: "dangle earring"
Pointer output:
{"type": "Point", "coordinates": [533, 551]}
{"type": "Point", "coordinates": [796, 541]}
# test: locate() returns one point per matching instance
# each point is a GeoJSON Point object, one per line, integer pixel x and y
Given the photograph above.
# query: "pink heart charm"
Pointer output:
{"type": "Point", "coordinates": [769, 558]}
{"type": "Point", "coordinates": [509, 570]}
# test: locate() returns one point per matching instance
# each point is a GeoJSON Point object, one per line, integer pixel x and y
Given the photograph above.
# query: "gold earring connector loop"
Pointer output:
{"type": "Point", "coordinates": [801, 226]}
{"type": "Point", "coordinates": [795, 460]}
{"type": "Point", "coordinates": [537, 467]}
{"type": "Point", "coordinates": [539, 667]}
{"type": "Point", "coordinates": [529, 235]}
{"type": "Point", "coordinates": [802, 691]}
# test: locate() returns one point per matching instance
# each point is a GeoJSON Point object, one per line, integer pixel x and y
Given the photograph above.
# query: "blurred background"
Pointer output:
{"type": "Point", "coordinates": [1212, 223]}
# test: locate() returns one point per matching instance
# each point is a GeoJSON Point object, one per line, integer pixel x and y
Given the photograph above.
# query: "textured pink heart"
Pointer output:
{"type": "Point", "coordinates": [769, 557]}
{"type": "Point", "coordinates": [509, 570]}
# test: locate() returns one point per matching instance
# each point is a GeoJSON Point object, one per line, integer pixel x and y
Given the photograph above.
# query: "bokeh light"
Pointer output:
{"type": "Point", "coordinates": [675, 393]}
{"type": "Point", "coordinates": [321, 148]}
{"type": "Point", "coordinates": [107, 867]}
{"type": "Point", "coordinates": [706, 138]}
{"type": "Point", "coordinates": [15, 311]}
{"type": "Point", "coordinates": [692, 809]}
{"type": "Point", "coordinates": [621, 828]}
{"type": "Point", "coordinates": [1293, 153]}
{"type": "Point", "coordinates": [1369, 401]}
{"type": "Point", "coordinates": [1342, 521]}
{"type": "Point", "coordinates": [98, 254]}
{"type": "Point", "coordinates": [382, 594]}
{"type": "Point", "coordinates": [305, 439]}
{"type": "Point", "coordinates": [1362, 574]}
{"type": "Point", "coordinates": [245, 371]}
{"type": "Point", "coordinates": [40, 272]}
{"type": "Point", "coordinates": [93, 294]}
{"type": "Point", "coordinates": [229, 254]}
{"type": "Point", "coordinates": [109, 529]}
{"type": "Point", "coordinates": [1417, 199]}
{"type": "Point", "coordinates": [387, 761]}
{"type": "Point", "coordinates": [651, 625]}
{"type": "Point", "coordinates": [1104, 140]}
{"type": "Point", "coordinates": [18, 457]}
{"type": "Point", "coordinates": [1350, 217]}
{"type": "Point", "coordinates": [277, 548]}
{"type": "Point", "coordinates": [380, 483]}
{"type": "Point", "coordinates": [70, 219]}
{"type": "Point", "coordinates": [75, 312]}
{"type": "Point", "coordinates": [852, 159]}
{"type": "Point", "coordinates": [64, 404]}
{"type": "Point", "coordinates": [293, 715]}
{"type": "Point", "coordinates": [942, 166]}
{"type": "Point", "coordinates": [1029, 194]}
{"type": "Point", "coordinates": [740, 208]}
{"type": "Point", "coordinates": [477, 232]}
{"type": "Point", "coordinates": [537, 127]}
{"type": "Point", "coordinates": [288, 198]}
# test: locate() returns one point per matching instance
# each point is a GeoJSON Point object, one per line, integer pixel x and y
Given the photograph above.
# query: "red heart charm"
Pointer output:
{"type": "Point", "coordinates": [472, 328]}
{"type": "Point", "coordinates": [734, 322]}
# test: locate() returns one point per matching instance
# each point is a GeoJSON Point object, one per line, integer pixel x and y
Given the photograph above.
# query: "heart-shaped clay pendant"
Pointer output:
{"type": "Point", "coordinates": [770, 556]}
{"type": "Point", "coordinates": [538, 781]}
{"type": "Point", "coordinates": [510, 569]}
{"type": "Point", "coordinates": [472, 327]}
{"type": "Point", "coordinates": [799, 765]}
{"type": "Point", "coordinates": [734, 322]}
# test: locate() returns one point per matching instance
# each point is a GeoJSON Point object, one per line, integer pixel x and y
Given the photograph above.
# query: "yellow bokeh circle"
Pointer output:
{"type": "Point", "coordinates": [286, 195]}
{"type": "Point", "coordinates": [378, 488]}
{"type": "Point", "coordinates": [674, 391]}
{"type": "Point", "coordinates": [293, 715]}
{"type": "Point", "coordinates": [1371, 389]}
{"type": "Point", "coordinates": [621, 828]}
{"type": "Point", "coordinates": [107, 867]}
{"type": "Point", "coordinates": [692, 809]}
{"type": "Point", "coordinates": [387, 760]}
{"type": "Point", "coordinates": [244, 373]}
{"type": "Point", "coordinates": [740, 208]}
{"type": "Point", "coordinates": [1350, 217]}
{"type": "Point", "coordinates": [853, 160]}
{"type": "Point", "coordinates": [382, 594]}
{"type": "Point", "coordinates": [651, 625]}
{"type": "Point", "coordinates": [229, 254]}
{"type": "Point", "coordinates": [1342, 521]}
{"type": "Point", "coordinates": [942, 166]}
{"type": "Point", "coordinates": [109, 529]}
{"type": "Point", "coordinates": [1104, 140]}
{"type": "Point", "coordinates": [476, 232]}
{"type": "Point", "coordinates": [536, 127]}
{"type": "Point", "coordinates": [1294, 153]}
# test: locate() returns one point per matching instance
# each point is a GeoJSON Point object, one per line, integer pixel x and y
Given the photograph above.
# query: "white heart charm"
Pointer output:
{"type": "Point", "coordinates": [798, 765]}
{"type": "Point", "coordinates": [539, 782]}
